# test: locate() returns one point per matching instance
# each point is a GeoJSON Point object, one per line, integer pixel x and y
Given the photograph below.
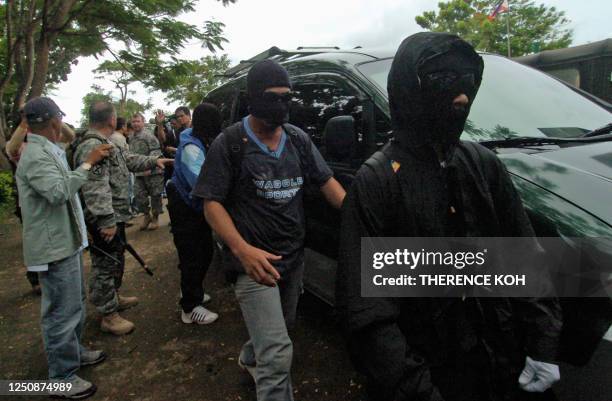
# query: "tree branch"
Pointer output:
{"type": "Point", "coordinates": [125, 67]}
{"type": "Point", "coordinates": [73, 15]}
{"type": "Point", "coordinates": [10, 47]}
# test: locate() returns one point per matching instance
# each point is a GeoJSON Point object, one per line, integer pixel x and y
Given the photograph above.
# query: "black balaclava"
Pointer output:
{"type": "Point", "coordinates": [421, 108]}
{"type": "Point", "coordinates": [206, 122]}
{"type": "Point", "coordinates": [263, 75]}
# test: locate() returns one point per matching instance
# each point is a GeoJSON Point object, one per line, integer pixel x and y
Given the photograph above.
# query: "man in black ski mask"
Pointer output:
{"type": "Point", "coordinates": [428, 183]}
{"type": "Point", "coordinates": [269, 92]}
{"type": "Point", "coordinates": [252, 186]}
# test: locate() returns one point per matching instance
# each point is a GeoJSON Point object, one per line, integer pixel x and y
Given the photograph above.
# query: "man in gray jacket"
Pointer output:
{"type": "Point", "coordinates": [54, 237]}
{"type": "Point", "coordinates": [106, 201]}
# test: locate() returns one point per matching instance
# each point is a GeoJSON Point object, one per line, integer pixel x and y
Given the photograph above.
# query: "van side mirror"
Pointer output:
{"type": "Point", "coordinates": [339, 138]}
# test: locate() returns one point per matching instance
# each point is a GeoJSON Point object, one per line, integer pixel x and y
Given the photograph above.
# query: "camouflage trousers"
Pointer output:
{"type": "Point", "coordinates": [146, 187]}
{"type": "Point", "coordinates": [107, 266]}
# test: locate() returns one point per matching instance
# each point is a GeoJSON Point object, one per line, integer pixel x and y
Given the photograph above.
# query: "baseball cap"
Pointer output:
{"type": "Point", "coordinates": [41, 109]}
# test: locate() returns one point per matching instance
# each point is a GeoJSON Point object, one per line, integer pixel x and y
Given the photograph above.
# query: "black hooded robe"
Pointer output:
{"type": "Point", "coordinates": [438, 349]}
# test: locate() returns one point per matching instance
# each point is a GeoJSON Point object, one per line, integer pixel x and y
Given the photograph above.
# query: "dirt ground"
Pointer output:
{"type": "Point", "coordinates": [165, 359]}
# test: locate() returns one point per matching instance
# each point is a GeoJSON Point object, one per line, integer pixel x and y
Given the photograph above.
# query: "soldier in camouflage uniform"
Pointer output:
{"type": "Point", "coordinates": [148, 184]}
{"type": "Point", "coordinates": [106, 204]}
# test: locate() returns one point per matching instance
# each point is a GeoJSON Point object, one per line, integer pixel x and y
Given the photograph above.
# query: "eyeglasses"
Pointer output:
{"type": "Point", "coordinates": [444, 80]}
{"type": "Point", "coordinates": [274, 97]}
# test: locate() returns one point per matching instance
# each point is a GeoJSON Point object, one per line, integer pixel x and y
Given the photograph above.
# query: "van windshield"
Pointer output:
{"type": "Point", "coordinates": [515, 100]}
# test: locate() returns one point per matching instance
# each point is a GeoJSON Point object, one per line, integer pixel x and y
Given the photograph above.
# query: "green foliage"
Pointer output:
{"type": "Point", "coordinates": [192, 80]}
{"type": "Point", "coordinates": [144, 36]}
{"type": "Point", "coordinates": [531, 26]}
{"type": "Point", "coordinates": [151, 35]}
{"type": "Point", "coordinates": [116, 72]}
{"type": "Point", "coordinates": [98, 94]}
{"type": "Point", "coordinates": [7, 202]}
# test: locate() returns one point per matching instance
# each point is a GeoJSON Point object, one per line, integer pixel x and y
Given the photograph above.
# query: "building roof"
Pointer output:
{"type": "Point", "coordinates": [562, 56]}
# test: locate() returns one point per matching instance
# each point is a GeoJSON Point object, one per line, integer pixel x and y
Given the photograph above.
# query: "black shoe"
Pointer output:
{"type": "Point", "coordinates": [36, 289]}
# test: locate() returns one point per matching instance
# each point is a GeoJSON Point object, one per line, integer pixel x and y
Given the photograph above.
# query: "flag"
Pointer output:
{"type": "Point", "coordinates": [502, 7]}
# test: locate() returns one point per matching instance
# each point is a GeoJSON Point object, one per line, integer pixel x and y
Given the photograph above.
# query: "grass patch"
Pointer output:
{"type": "Point", "coordinates": [7, 200]}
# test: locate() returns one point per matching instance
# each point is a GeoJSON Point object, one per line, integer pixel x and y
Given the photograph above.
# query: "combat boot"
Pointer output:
{"type": "Point", "coordinates": [127, 302]}
{"type": "Point", "coordinates": [145, 221]}
{"type": "Point", "coordinates": [154, 222]}
{"type": "Point", "coordinates": [116, 325]}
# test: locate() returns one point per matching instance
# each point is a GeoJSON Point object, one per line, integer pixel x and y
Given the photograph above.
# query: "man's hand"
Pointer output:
{"type": "Point", "coordinates": [256, 263]}
{"type": "Point", "coordinates": [98, 153]}
{"type": "Point", "coordinates": [108, 233]}
{"type": "Point", "coordinates": [159, 117]}
{"type": "Point", "coordinates": [538, 377]}
{"type": "Point", "coordinates": [162, 163]}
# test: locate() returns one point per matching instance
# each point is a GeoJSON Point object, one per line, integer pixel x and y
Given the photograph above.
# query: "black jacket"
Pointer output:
{"type": "Point", "coordinates": [434, 349]}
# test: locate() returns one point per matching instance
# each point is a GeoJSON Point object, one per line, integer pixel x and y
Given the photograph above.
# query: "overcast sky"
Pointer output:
{"type": "Point", "coordinates": [253, 26]}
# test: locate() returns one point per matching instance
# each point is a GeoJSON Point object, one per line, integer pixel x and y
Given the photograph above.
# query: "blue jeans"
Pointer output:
{"type": "Point", "coordinates": [63, 315]}
{"type": "Point", "coordinates": [267, 313]}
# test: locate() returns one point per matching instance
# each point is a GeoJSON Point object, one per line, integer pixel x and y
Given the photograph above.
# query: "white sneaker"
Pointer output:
{"type": "Point", "coordinates": [199, 315]}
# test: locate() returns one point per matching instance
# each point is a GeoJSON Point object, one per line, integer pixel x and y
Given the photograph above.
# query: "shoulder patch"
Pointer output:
{"type": "Point", "coordinates": [97, 169]}
{"type": "Point", "coordinates": [395, 166]}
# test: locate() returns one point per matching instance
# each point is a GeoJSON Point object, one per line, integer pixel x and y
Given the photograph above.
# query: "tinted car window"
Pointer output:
{"type": "Point", "coordinates": [223, 98]}
{"type": "Point", "coordinates": [242, 108]}
{"type": "Point", "coordinates": [314, 104]}
{"type": "Point", "coordinates": [515, 100]}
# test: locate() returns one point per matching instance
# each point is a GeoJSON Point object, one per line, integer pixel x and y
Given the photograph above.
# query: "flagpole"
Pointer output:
{"type": "Point", "coordinates": [508, 30]}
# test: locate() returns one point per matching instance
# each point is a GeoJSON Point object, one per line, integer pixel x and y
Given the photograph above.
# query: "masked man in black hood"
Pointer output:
{"type": "Point", "coordinates": [252, 186]}
{"type": "Point", "coordinates": [428, 183]}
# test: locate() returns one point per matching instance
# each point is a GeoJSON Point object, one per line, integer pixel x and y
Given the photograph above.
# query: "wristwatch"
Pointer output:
{"type": "Point", "coordinates": [86, 166]}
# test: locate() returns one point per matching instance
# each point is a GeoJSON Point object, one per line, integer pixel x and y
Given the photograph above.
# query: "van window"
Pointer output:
{"type": "Point", "coordinates": [242, 109]}
{"type": "Point", "coordinates": [569, 75]}
{"type": "Point", "coordinates": [515, 100]}
{"type": "Point", "coordinates": [314, 104]}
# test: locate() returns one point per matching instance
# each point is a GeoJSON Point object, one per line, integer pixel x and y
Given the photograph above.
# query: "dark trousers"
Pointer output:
{"type": "Point", "coordinates": [32, 278]}
{"type": "Point", "coordinates": [194, 245]}
{"type": "Point", "coordinates": [107, 267]}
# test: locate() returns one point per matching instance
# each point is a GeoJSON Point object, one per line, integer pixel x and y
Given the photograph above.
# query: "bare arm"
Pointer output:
{"type": "Point", "coordinates": [13, 146]}
{"type": "Point", "coordinates": [333, 192]}
{"type": "Point", "coordinates": [161, 134]}
{"type": "Point", "coordinates": [256, 262]}
{"type": "Point", "coordinates": [221, 222]}
{"type": "Point", "coordinates": [159, 127]}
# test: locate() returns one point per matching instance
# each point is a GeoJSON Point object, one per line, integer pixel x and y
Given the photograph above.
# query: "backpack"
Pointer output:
{"type": "Point", "coordinates": [80, 137]}
{"type": "Point", "coordinates": [237, 138]}
{"type": "Point", "coordinates": [381, 163]}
